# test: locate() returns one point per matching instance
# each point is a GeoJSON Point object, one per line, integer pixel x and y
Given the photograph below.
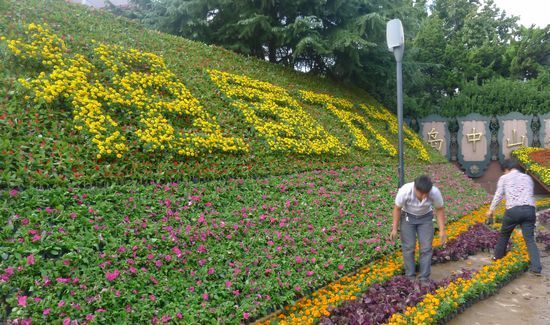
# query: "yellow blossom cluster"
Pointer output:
{"type": "Point", "coordinates": [382, 114]}
{"type": "Point", "coordinates": [136, 86]}
{"type": "Point", "coordinates": [41, 45]}
{"type": "Point", "coordinates": [276, 116]}
{"type": "Point", "coordinates": [523, 155]}
{"type": "Point", "coordinates": [341, 109]}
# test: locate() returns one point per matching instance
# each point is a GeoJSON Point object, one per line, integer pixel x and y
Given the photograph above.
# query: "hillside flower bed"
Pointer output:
{"type": "Point", "coordinates": [215, 251]}
{"type": "Point", "coordinates": [86, 111]}
{"type": "Point", "coordinates": [535, 161]}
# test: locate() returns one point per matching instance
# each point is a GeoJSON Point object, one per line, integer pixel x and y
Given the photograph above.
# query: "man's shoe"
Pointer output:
{"type": "Point", "coordinates": [535, 273]}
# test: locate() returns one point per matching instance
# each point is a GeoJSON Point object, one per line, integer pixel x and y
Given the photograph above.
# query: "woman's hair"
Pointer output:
{"type": "Point", "coordinates": [509, 164]}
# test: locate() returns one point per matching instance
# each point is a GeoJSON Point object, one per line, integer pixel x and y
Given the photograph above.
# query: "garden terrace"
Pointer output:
{"type": "Point", "coordinates": [150, 178]}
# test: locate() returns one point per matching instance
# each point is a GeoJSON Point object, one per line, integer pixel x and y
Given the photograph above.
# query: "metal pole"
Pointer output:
{"type": "Point", "coordinates": [398, 51]}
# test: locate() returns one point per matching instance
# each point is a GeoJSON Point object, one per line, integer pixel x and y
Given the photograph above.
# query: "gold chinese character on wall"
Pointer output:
{"type": "Point", "coordinates": [514, 142]}
{"type": "Point", "coordinates": [433, 140]}
{"type": "Point", "coordinates": [473, 137]}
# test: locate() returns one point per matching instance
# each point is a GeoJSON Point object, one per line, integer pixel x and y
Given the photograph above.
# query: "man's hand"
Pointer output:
{"type": "Point", "coordinates": [489, 216]}
{"type": "Point", "coordinates": [442, 238]}
{"type": "Point", "coordinates": [393, 235]}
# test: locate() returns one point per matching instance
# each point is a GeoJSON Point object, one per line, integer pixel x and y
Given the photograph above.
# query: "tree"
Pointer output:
{"type": "Point", "coordinates": [529, 52]}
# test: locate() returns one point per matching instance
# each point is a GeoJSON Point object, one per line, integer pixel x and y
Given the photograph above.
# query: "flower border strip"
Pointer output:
{"type": "Point", "coordinates": [449, 301]}
{"type": "Point", "coordinates": [307, 309]}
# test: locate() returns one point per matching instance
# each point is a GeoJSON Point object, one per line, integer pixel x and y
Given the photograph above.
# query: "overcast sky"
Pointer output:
{"type": "Point", "coordinates": [529, 11]}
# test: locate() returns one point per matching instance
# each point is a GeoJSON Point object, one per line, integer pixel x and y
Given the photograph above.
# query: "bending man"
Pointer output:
{"type": "Point", "coordinates": [413, 210]}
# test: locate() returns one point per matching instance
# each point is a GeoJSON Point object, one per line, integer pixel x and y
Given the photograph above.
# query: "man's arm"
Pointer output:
{"type": "Point", "coordinates": [396, 213]}
{"type": "Point", "coordinates": [440, 214]}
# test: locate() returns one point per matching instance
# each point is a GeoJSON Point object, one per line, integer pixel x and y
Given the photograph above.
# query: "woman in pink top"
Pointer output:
{"type": "Point", "coordinates": [517, 188]}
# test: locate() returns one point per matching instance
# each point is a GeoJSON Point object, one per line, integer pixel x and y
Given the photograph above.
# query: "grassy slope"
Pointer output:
{"type": "Point", "coordinates": [58, 152]}
{"type": "Point", "coordinates": [83, 233]}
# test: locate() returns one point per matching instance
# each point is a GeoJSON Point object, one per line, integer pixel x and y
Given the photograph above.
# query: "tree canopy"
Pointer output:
{"type": "Point", "coordinates": [451, 45]}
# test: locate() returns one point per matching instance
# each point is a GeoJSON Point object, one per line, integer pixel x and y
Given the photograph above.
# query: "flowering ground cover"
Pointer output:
{"type": "Point", "coordinates": [544, 217]}
{"type": "Point", "coordinates": [94, 100]}
{"type": "Point", "coordinates": [447, 301]}
{"type": "Point", "coordinates": [222, 250]}
{"type": "Point", "coordinates": [536, 161]}
{"type": "Point", "coordinates": [381, 301]}
{"type": "Point", "coordinates": [311, 308]}
{"type": "Point", "coordinates": [543, 235]}
{"type": "Point", "coordinates": [147, 178]}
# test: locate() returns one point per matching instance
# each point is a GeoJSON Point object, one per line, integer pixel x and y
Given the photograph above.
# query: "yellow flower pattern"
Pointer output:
{"type": "Point", "coordinates": [277, 116]}
{"type": "Point", "coordinates": [137, 85]}
{"type": "Point", "coordinates": [345, 115]}
{"type": "Point", "coordinates": [380, 113]}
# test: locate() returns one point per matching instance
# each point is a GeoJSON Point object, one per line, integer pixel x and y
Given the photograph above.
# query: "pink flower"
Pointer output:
{"type": "Point", "coordinates": [201, 219]}
{"type": "Point", "coordinates": [112, 276]}
{"type": "Point", "coordinates": [298, 259]}
{"type": "Point", "coordinates": [378, 248]}
{"type": "Point", "coordinates": [201, 249]}
{"type": "Point", "coordinates": [179, 315]}
{"type": "Point", "coordinates": [166, 318]}
{"type": "Point", "coordinates": [340, 266]}
{"type": "Point", "coordinates": [228, 284]}
{"type": "Point", "coordinates": [25, 221]}
{"type": "Point", "coordinates": [177, 251]}
{"type": "Point", "coordinates": [297, 288]}
{"type": "Point", "coordinates": [211, 271]}
{"type": "Point", "coordinates": [30, 259]}
{"type": "Point", "coordinates": [46, 311]}
{"type": "Point", "coordinates": [191, 289]}
{"type": "Point", "coordinates": [89, 317]}
{"type": "Point", "coordinates": [67, 321]}
{"type": "Point", "coordinates": [236, 292]}
{"type": "Point", "coordinates": [22, 301]}
{"type": "Point", "coordinates": [246, 315]}
{"type": "Point", "coordinates": [61, 303]}
{"type": "Point", "coordinates": [13, 192]}
{"type": "Point", "coordinates": [310, 273]}
{"type": "Point", "coordinates": [205, 296]}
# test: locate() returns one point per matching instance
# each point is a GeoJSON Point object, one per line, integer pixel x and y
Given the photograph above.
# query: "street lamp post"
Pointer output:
{"type": "Point", "coordinates": [396, 44]}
